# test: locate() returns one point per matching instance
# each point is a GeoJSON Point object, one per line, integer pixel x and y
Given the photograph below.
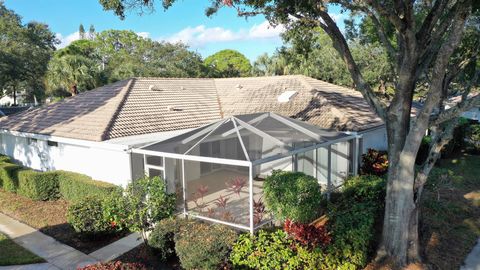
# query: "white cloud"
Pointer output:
{"type": "Point", "coordinates": [65, 41]}
{"type": "Point", "coordinates": [265, 30]}
{"type": "Point", "coordinates": [200, 35]}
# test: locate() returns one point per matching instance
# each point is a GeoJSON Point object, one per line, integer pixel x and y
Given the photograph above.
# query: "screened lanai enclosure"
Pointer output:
{"type": "Point", "coordinates": [218, 170]}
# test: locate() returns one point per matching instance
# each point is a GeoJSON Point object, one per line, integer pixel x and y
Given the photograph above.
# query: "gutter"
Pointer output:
{"type": "Point", "coordinates": [85, 143]}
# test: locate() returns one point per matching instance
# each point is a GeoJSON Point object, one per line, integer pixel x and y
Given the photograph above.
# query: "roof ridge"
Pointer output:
{"type": "Point", "coordinates": [218, 99]}
{"type": "Point", "coordinates": [126, 89]}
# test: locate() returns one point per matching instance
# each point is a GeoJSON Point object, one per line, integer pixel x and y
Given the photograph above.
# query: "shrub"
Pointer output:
{"type": "Point", "coordinates": [266, 250]}
{"type": "Point", "coordinates": [40, 186]}
{"type": "Point", "coordinates": [351, 225]}
{"type": "Point", "coordinates": [75, 186]}
{"type": "Point", "coordinates": [307, 234]}
{"type": "Point", "coordinates": [363, 188]}
{"type": "Point", "coordinates": [86, 217]}
{"type": "Point", "coordinates": [203, 246]}
{"type": "Point", "coordinates": [162, 237]}
{"type": "Point", "coordinates": [293, 195]}
{"type": "Point", "coordinates": [5, 159]}
{"type": "Point", "coordinates": [144, 203]}
{"type": "Point", "coordinates": [116, 210]}
{"type": "Point", "coordinates": [116, 265]}
{"type": "Point", "coordinates": [472, 137]}
{"type": "Point", "coordinates": [374, 162]}
{"type": "Point", "coordinates": [8, 176]}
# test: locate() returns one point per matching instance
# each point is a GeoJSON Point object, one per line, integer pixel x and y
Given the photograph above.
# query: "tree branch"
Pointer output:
{"type": "Point", "coordinates": [439, 68]}
{"type": "Point", "coordinates": [431, 20]}
{"type": "Point", "coordinates": [439, 140]}
{"type": "Point", "coordinates": [340, 44]}
{"type": "Point", "coordinates": [383, 37]}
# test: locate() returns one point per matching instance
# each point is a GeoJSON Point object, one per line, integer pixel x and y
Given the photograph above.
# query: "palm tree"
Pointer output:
{"type": "Point", "coordinates": [72, 73]}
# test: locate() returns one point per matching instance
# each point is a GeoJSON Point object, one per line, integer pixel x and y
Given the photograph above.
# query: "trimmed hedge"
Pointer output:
{"type": "Point", "coordinates": [39, 186]}
{"type": "Point", "coordinates": [293, 195]}
{"type": "Point", "coordinates": [75, 186]}
{"type": "Point", "coordinates": [50, 185]}
{"type": "Point", "coordinates": [8, 176]}
{"type": "Point", "coordinates": [5, 159]}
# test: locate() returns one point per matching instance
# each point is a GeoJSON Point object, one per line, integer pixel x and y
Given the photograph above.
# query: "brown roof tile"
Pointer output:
{"type": "Point", "coordinates": [147, 105]}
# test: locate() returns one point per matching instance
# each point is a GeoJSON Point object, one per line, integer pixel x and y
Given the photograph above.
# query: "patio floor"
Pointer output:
{"type": "Point", "coordinates": [215, 188]}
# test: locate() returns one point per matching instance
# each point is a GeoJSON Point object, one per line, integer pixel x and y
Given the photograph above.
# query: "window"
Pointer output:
{"type": "Point", "coordinates": [154, 160]}
{"type": "Point", "coordinates": [155, 172]}
{"type": "Point", "coordinates": [31, 141]}
{"type": "Point", "coordinates": [52, 143]}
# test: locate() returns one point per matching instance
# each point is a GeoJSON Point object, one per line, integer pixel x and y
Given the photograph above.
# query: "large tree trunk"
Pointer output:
{"type": "Point", "coordinates": [400, 211]}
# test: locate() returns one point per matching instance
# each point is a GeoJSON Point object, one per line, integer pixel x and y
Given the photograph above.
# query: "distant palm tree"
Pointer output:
{"type": "Point", "coordinates": [73, 73]}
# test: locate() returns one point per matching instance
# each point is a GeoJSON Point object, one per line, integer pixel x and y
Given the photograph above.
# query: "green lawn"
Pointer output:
{"type": "Point", "coordinates": [13, 254]}
{"type": "Point", "coordinates": [450, 214]}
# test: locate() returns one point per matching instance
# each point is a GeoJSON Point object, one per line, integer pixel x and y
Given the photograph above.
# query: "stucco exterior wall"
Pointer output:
{"type": "Point", "coordinates": [376, 139]}
{"type": "Point", "coordinates": [109, 165]}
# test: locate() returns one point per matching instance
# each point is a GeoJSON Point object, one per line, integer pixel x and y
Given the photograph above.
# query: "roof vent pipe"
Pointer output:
{"type": "Point", "coordinates": [153, 87]}
{"type": "Point", "coordinates": [238, 86]}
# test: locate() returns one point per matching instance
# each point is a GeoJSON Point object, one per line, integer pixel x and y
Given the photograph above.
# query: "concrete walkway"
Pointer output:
{"type": "Point", "coordinates": [58, 255]}
{"type": "Point", "coordinates": [472, 262]}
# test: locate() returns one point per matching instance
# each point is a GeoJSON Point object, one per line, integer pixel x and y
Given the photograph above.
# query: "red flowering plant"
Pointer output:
{"type": "Point", "coordinates": [307, 234]}
{"type": "Point", "coordinates": [237, 184]}
{"type": "Point", "coordinates": [374, 162]}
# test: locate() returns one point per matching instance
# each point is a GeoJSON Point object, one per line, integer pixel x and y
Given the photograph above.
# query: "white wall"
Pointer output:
{"type": "Point", "coordinates": [376, 139]}
{"type": "Point", "coordinates": [109, 165]}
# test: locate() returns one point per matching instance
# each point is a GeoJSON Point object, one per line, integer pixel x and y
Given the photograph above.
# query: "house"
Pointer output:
{"type": "Point", "coordinates": [104, 132]}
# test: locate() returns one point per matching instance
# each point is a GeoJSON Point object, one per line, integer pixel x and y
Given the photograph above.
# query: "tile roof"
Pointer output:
{"type": "Point", "coordinates": [148, 105]}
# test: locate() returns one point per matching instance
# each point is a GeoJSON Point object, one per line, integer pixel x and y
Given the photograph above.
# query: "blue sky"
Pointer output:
{"type": "Point", "coordinates": [185, 21]}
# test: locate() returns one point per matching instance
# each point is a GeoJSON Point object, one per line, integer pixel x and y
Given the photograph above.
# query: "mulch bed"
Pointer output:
{"type": "Point", "coordinates": [145, 256]}
{"type": "Point", "coordinates": [50, 218]}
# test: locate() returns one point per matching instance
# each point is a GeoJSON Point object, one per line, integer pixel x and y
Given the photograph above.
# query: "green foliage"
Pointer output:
{"type": "Point", "coordinates": [5, 159]}
{"type": "Point", "coordinates": [364, 188]}
{"type": "Point", "coordinates": [72, 73]}
{"type": "Point", "coordinates": [24, 53]}
{"type": "Point", "coordinates": [8, 176]}
{"type": "Point", "coordinates": [114, 55]}
{"type": "Point", "coordinates": [229, 63]}
{"type": "Point", "coordinates": [351, 223]}
{"type": "Point", "coordinates": [162, 237]}
{"type": "Point", "coordinates": [39, 186]}
{"type": "Point", "coordinates": [203, 246]}
{"type": "Point", "coordinates": [51, 185]}
{"type": "Point", "coordinates": [265, 250]}
{"type": "Point", "coordinates": [145, 202]}
{"type": "Point", "coordinates": [293, 195]}
{"type": "Point", "coordinates": [116, 209]}
{"type": "Point", "coordinates": [86, 217]}
{"type": "Point", "coordinates": [75, 186]}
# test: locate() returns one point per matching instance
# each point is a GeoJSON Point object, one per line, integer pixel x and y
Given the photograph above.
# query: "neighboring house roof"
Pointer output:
{"type": "Point", "coordinates": [5, 111]}
{"type": "Point", "coordinates": [148, 105]}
